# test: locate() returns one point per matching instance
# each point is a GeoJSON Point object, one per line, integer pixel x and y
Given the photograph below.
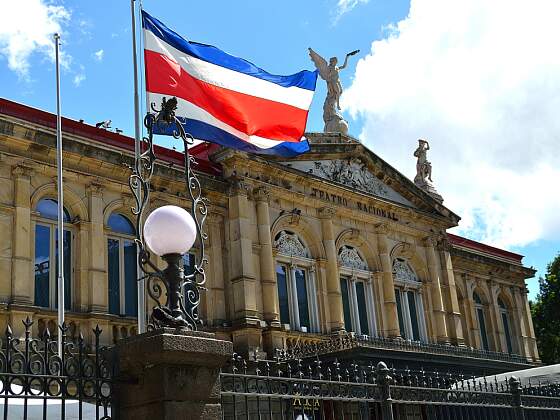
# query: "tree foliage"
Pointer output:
{"type": "Point", "coordinates": [546, 314]}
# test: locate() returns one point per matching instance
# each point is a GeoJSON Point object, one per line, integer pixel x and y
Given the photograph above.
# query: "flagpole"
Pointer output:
{"type": "Point", "coordinates": [60, 216]}
{"type": "Point", "coordinates": [137, 134]}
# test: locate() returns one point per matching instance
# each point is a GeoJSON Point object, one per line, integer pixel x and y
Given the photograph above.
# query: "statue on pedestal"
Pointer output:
{"type": "Point", "coordinates": [423, 178]}
{"type": "Point", "coordinates": [334, 122]}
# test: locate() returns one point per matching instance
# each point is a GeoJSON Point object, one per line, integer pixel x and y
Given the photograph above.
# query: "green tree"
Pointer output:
{"type": "Point", "coordinates": [546, 314]}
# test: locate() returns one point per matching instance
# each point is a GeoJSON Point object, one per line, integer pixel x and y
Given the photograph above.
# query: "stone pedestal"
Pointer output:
{"type": "Point", "coordinates": [170, 374]}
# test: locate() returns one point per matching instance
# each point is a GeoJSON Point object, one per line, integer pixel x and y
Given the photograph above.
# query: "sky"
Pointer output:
{"type": "Point", "coordinates": [479, 80]}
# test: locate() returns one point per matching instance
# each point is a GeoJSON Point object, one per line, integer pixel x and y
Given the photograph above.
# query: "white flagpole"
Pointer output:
{"type": "Point", "coordinates": [60, 220]}
{"type": "Point", "coordinates": [137, 134]}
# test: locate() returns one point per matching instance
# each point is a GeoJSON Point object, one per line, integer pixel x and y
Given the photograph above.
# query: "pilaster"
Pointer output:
{"type": "Point", "coordinates": [334, 294]}
{"type": "Point", "coordinates": [268, 274]}
{"type": "Point", "coordinates": [216, 307]}
{"type": "Point", "coordinates": [390, 302]}
{"type": "Point", "coordinates": [435, 289]}
{"type": "Point", "coordinates": [22, 280]}
{"type": "Point", "coordinates": [97, 291]}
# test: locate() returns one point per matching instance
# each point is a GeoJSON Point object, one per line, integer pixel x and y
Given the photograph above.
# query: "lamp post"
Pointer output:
{"type": "Point", "coordinates": [169, 231]}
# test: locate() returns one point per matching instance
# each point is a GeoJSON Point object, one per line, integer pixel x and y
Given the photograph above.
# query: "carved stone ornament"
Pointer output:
{"type": "Point", "coordinates": [289, 244]}
{"type": "Point", "coordinates": [326, 212]}
{"type": "Point", "coordinates": [402, 272]}
{"type": "Point", "coordinates": [349, 257]}
{"type": "Point", "coordinates": [351, 173]}
{"type": "Point", "coordinates": [261, 194]}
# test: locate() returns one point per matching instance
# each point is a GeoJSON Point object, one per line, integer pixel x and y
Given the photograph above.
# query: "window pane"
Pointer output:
{"type": "Point", "coordinates": [400, 313]}
{"type": "Point", "coordinates": [362, 309]}
{"type": "Point", "coordinates": [118, 223]}
{"type": "Point", "coordinates": [188, 264]}
{"type": "Point", "coordinates": [507, 332]}
{"type": "Point", "coordinates": [281, 281]}
{"type": "Point", "coordinates": [42, 265]}
{"type": "Point", "coordinates": [413, 315]}
{"type": "Point", "coordinates": [303, 305]}
{"type": "Point", "coordinates": [482, 326]}
{"type": "Point", "coordinates": [130, 280]}
{"type": "Point", "coordinates": [113, 276]}
{"type": "Point", "coordinates": [67, 269]}
{"type": "Point", "coordinates": [48, 208]}
{"type": "Point", "coordinates": [346, 304]}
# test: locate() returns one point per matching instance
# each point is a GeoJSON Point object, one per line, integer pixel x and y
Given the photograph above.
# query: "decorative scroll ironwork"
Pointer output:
{"type": "Point", "coordinates": [164, 120]}
{"type": "Point", "coordinates": [78, 385]}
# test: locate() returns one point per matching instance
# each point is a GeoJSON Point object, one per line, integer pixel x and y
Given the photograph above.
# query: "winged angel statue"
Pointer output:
{"type": "Point", "coordinates": [330, 73]}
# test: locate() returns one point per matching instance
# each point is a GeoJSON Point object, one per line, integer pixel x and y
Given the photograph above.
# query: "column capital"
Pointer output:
{"type": "Point", "coordinates": [382, 228]}
{"type": "Point", "coordinates": [326, 212]}
{"type": "Point", "coordinates": [430, 241]}
{"type": "Point", "coordinates": [261, 194]}
{"type": "Point", "coordinates": [215, 218]}
{"type": "Point", "coordinates": [22, 170]}
{"type": "Point", "coordinates": [237, 186]}
{"type": "Point", "coordinates": [443, 243]}
{"type": "Point", "coordinates": [95, 188]}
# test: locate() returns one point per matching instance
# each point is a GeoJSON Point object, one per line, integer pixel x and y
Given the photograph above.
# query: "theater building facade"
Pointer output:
{"type": "Point", "coordinates": [334, 252]}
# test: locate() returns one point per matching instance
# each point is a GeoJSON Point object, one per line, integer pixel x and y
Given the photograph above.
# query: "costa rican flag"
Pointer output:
{"type": "Point", "coordinates": [224, 99]}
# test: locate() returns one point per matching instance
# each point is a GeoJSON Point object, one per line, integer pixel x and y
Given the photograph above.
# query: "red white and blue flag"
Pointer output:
{"type": "Point", "coordinates": [224, 99]}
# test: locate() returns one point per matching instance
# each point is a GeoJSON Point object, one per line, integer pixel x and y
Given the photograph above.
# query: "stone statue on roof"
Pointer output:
{"type": "Point", "coordinates": [423, 178]}
{"type": "Point", "coordinates": [334, 122]}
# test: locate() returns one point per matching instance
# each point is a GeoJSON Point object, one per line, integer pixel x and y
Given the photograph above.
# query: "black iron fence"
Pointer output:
{"type": "Point", "coordinates": [292, 389]}
{"type": "Point", "coordinates": [37, 383]}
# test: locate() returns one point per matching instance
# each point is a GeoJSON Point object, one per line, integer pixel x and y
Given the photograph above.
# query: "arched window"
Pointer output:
{"type": "Point", "coordinates": [46, 254]}
{"type": "Point", "coordinates": [504, 314]}
{"type": "Point", "coordinates": [410, 306]}
{"type": "Point", "coordinates": [357, 292]}
{"type": "Point", "coordinates": [479, 308]}
{"type": "Point", "coordinates": [295, 278]}
{"type": "Point", "coordinates": [122, 266]}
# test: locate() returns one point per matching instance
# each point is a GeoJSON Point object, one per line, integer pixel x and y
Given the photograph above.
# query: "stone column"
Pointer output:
{"type": "Point", "coordinates": [292, 290]}
{"type": "Point", "coordinates": [454, 313]}
{"type": "Point", "coordinates": [216, 308]}
{"type": "Point", "coordinates": [22, 276]}
{"type": "Point", "coordinates": [268, 273]}
{"type": "Point", "coordinates": [169, 374]}
{"type": "Point", "coordinates": [390, 301]}
{"type": "Point", "coordinates": [471, 307]}
{"type": "Point", "coordinates": [519, 324]}
{"type": "Point", "coordinates": [98, 294]}
{"type": "Point", "coordinates": [314, 319]}
{"type": "Point", "coordinates": [326, 215]}
{"type": "Point", "coordinates": [530, 328]}
{"type": "Point", "coordinates": [437, 300]}
{"type": "Point", "coordinates": [81, 264]}
{"type": "Point", "coordinates": [499, 335]}
{"type": "Point", "coordinates": [241, 256]}
{"type": "Point", "coordinates": [22, 281]}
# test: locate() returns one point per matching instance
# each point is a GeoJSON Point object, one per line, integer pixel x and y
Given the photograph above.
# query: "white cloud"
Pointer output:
{"type": "Point", "coordinates": [481, 81]}
{"type": "Point", "coordinates": [28, 27]}
{"type": "Point", "coordinates": [98, 55]}
{"type": "Point", "coordinates": [80, 76]}
{"type": "Point", "coordinates": [345, 6]}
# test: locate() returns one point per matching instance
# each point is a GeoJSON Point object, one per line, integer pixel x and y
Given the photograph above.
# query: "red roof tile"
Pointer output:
{"type": "Point", "coordinates": [486, 249]}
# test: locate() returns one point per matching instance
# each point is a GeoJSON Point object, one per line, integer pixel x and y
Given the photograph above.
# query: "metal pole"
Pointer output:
{"type": "Point", "coordinates": [137, 134]}
{"type": "Point", "coordinates": [60, 220]}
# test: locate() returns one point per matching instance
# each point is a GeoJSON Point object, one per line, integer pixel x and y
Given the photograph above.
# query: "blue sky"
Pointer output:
{"type": "Point", "coordinates": [97, 83]}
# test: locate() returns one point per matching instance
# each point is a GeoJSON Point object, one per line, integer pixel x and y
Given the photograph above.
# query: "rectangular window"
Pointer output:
{"type": "Point", "coordinates": [413, 315]}
{"type": "Point", "coordinates": [400, 313]}
{"type": "Point", "coordinates": [346, 304]}
{"type": "Point", "coordinates": [67, 238]}
{"type": "Point", "coordinates": [303, 304]}
{"type": "Point", "coordinates": [130, 279]}
{"type": "Point", "coordinates": [42, 265]}
{"type": "Point", "coordinates": [113, 273]}
{"type": "Point", "coordinates": [282, 283]}
{"type": "Point", "coordinates": [482, 326]}
{"type": "Point", "coordinates": [362, 308]}
{"type": "Point", "coordinates": [507, 332]}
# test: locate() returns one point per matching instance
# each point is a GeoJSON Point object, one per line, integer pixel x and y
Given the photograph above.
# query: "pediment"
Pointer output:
{"type": "Point", "coordinates": [352, 173]}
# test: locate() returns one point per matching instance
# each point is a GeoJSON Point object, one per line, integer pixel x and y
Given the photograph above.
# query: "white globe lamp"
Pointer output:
{"type": "Point", "coordinates": [169, 230]}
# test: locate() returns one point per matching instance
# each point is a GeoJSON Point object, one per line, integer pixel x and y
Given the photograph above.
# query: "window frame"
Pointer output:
{"type": "Point", "coordinates": [480, 311]}
{"type": "Point", "coordinates": [52, 225]}
{"type": "Point", "coordinates": [505, 318]}
{"type": "Point", "coordinates": [402, 289]}
{"type": "Point", "coordinates": [121, 238]}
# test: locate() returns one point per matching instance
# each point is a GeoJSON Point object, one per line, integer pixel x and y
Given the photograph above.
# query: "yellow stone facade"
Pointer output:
{"type": "Point", "coordinates": [255, 204]}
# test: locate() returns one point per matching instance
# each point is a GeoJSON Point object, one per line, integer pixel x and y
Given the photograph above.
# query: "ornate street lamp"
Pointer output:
{"type": "Point", "coordinates": [169, 231]}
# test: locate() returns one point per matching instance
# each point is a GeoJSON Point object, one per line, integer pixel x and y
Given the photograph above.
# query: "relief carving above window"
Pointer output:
{"type": "Point", "coordinates": [403, 272]}
{"type": "Point", "coordinates": [349, 257]}
{"type": "Point", "coordinates": [289, 244]}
